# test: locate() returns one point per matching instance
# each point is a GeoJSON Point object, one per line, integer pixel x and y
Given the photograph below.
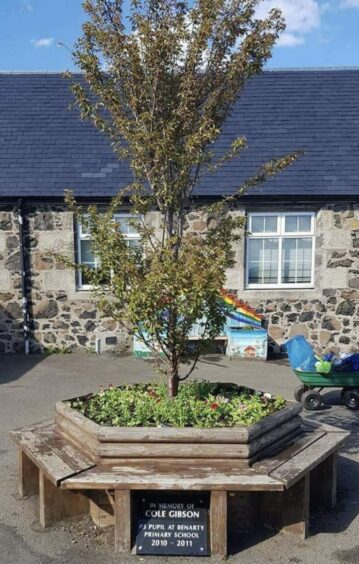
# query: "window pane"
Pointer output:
{"type": "Point", "coordinates": [297, 261]}
{"type": "Point", "coordinates": [135, 247]}
{"type": "Point", "coordinates": [264, 224]}
{"type": "Point", "coordinates": [304, 261]}
{"type": "Point", "coordinates": [84, 277]}
{"type": "Point", "coordinates": [87, 255]}
{"type": "Point", "coordinates": [257, 224]}
{"type": "Point", "coordinates": [297, 223]}
{"type": "Point", "coordinates": [289, 261]}
{"type": "Point", "coordinates": [270, 224]}
{"type": "Point", "coordinates": [134, 244]}
{"type": "Point", "coordinates": [84, 230]}
{"type": "Point", "coordinates": [305, 223]}
{"type": "Point", "coordinates": [132, 228]}
{"type": "Point", "coordinates": [254, 273]}
{"type": "Point", "coordinates": [270, 264]}
{"type": "Point", "coordinates": [124, 224]}
{"type": "Point", "coordinates": [263, 261]}
{"type": "Point", "coordinates": [255, 247]}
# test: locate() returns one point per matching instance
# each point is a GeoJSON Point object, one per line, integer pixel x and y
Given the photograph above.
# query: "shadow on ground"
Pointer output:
{"type": "Point", "coordinates": [13, 367]}
{"type": "Point", "coordinates": [322, 520]}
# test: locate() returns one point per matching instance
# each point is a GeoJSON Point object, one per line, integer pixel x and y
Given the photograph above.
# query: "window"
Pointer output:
{"type": "Point", "coordinates": [85, 254]}
{"type": "Point", "coordinates": [280, 250]}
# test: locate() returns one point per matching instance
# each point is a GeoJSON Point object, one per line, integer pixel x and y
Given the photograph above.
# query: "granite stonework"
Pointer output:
{"type": "Point", "coordinates": [64, 317]}
{"type": "Point", "coordinates": [11, 332]}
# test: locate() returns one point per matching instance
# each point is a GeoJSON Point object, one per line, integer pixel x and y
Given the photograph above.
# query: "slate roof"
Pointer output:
{"type": "Point", "coordinates": [45, 147]}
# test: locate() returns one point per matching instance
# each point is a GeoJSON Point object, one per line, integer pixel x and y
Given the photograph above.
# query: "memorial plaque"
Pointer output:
{"type": "Point", "coordinates": [172, 524]}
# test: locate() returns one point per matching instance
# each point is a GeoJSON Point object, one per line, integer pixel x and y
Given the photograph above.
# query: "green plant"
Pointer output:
{"type": "Point", "coordinates": [198, 404]}
{"type": "Point", "coordinates": [161, 82]}
{"type": "Point", "coordinates": [57, 350]}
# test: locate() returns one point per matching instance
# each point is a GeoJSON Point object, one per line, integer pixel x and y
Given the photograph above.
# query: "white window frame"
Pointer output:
{"type": "Point", "coordinates": [81, 236]}
{"type": "Point", "coordinates": [280, 235]}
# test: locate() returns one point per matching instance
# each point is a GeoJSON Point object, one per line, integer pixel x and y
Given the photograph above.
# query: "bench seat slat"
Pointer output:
{"type": "Point", "coordinates": [191, 478]}
{"type": "Point", "coordinates": [56, 466]}
{"type": "Point", "coordinates": [269, 464]}
{"type": "Point", "coordinates": [74, 458]}
{"type": "Point", "coordinates": [48, 423]}
{"type": "Point", "coordinates": [311, 425]}
{"type": "Point", "coordinates": [43, 456]}
{"type": "Point", "coordinates": [296, 467]}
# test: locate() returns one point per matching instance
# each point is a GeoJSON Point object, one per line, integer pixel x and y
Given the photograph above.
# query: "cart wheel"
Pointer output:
{"type": "Point", "coordinates": [311, 400]}
{"type": "Point", "coordinates": [351, 399]}
{"type": "Point", "coordinates": [299, 391]}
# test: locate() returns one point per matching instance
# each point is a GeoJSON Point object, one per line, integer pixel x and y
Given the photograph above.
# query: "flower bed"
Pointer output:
{"type": "Point", "coordinates": [206, 422]}
{"type": "Point", "coordinates": [198, 405]}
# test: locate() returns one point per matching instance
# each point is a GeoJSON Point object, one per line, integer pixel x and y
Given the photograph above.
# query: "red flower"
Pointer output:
{"type": "Point", "coordinates": [214, 405]}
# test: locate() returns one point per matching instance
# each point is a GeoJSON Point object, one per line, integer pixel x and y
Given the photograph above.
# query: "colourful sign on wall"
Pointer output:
{"type": "Point", "coordinates": [243, 331]}
{"type": "Point", "coordinates": [239, 312]}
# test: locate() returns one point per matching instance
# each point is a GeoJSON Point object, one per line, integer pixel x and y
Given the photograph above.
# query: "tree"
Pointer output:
{"type": "Point", "coordinates": [160, 83]}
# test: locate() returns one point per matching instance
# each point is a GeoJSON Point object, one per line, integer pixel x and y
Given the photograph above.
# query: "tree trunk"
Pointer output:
{"type": "Point", "coordinates": [172, 374]}
{"type": "Point", "coordinates": [172, 382]}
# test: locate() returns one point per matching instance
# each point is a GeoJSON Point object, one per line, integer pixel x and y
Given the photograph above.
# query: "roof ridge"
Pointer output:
{"type": "Point", "coordinates": [32, 72]}
{"type": "Point", "coordinates": [267, 70]}
{"type": "Point", "coordinates": [312, 69]}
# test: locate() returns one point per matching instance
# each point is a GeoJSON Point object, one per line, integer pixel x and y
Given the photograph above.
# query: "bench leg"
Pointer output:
{"type": "Point", "coordinates": [57, 504]}
{"type": "Point", "coordinates": [323, 482]}
{"type": "Point", "coordinates": [270, 514]}
{"type": "Point", "coordinates": [296, 508]}
{"type": "Point", "coordinates": [28, 476]}
{"type": "Point", "coordinates": [218, 523]}
{"type": "Point", "coordinates": [101, 508]}
{"type": "Point", "coordinates": [123, 522]}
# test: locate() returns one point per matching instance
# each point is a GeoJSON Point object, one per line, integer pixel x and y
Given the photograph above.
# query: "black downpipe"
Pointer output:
{"type": "Point", "coordinates": [25, 305]}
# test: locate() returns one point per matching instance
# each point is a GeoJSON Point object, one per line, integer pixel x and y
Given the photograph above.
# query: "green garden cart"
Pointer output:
{"type": "Point", "coordinates": [312, 383]}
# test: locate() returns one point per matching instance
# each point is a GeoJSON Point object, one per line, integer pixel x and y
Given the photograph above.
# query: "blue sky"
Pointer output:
{"type": "Point", "coordinates": [319, 33]}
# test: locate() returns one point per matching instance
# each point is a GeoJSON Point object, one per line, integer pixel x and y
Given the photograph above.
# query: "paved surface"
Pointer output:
{"type": "Point", "coordinates": [29, 387]}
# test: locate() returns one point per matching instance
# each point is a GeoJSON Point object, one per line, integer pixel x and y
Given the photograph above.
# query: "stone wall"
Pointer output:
{"type": "Point", "coordinates": [65, 317]}
{"type": "Point", "coordinates": [62, 317]}
{"type": "Point", "coordinates": [11, 333]}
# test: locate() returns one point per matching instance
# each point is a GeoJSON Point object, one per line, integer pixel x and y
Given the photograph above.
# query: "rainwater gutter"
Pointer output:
{"type": "Point", "coordinates": [25, 305]}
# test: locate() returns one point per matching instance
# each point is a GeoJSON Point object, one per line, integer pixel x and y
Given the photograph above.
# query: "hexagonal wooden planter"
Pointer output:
{"type": "Point", "coordinates": [120, 445]}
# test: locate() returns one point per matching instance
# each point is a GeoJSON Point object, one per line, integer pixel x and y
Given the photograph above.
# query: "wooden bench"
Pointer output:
{"type": "Point", "coordinates": [45, 461]}
{"type": "Point", "coordinates": [69, 484]}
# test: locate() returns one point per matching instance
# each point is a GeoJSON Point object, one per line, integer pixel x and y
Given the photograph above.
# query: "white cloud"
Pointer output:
{"type": "Point", "coordinates": [290, 40]}
{"type": "Point", "coordinates": [301, 16]}
{"type": "Point", "coordinates": [349, 4]}
{"type": "Point", "coordinates": [43, 42]}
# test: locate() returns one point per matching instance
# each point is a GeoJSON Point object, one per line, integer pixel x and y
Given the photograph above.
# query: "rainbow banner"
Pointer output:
{"type": "Point", "coordinates": [239, 311]}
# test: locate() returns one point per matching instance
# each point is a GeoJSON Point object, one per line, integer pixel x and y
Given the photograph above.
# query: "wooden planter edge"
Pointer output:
{"type": "Point", "coordinates": [239, 435]}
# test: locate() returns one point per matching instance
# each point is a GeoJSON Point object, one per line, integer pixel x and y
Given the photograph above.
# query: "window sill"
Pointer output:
{"type": "Point", "coordinates": [291, 288]}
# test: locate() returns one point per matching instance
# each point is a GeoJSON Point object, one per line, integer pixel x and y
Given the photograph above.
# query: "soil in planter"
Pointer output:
{"type": "Point", "coordinates": [199, 404]}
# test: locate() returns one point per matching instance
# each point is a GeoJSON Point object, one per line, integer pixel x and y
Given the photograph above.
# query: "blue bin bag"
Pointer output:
{"type": "Point", "coordinates": [354, 360]}
{"type": "Point", "coordinates": [349, 363]}
{"type": "Point", "coordinates": [300, 354]}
